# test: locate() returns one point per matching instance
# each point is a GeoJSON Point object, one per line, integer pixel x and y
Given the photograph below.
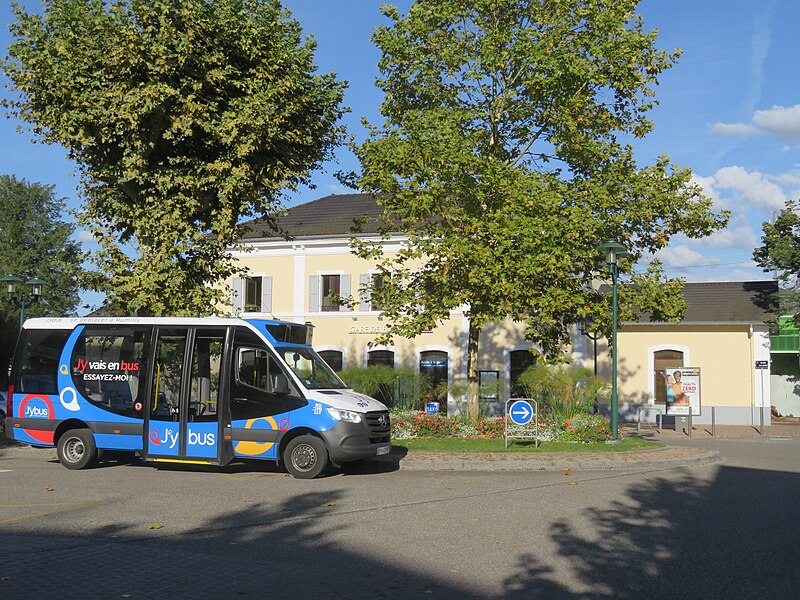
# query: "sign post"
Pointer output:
{"type": "Point", "coordinates": [761, 366]}
{"type": "Point", "coordinates": [520, 413]}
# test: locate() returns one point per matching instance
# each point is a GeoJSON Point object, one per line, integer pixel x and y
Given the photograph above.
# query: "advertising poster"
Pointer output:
{"type": "Point", "coordinates": [682, 390]}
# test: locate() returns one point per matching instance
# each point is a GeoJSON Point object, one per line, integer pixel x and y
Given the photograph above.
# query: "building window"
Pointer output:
{"type": "Point", "coordinates": [380, 357]}
{"type": "Point", "coordinates": [253, 287]}
{"type": "Point", "coordinates": [334, 358]}
{"type": "Point", "coordinates": [252, 294]}
{"type": "Point", "coordinates": [488, 384]}
{"type": "Point", "coordinates": [433, 368]}
{"type": "Point", "coordinates": [520, 360]}
{"type": "Point", "coordinates": [665, 361]}
{"type": "Point", "coordinates": [378, 282]}
{"type": "Point", "coordinates": [331, 293]}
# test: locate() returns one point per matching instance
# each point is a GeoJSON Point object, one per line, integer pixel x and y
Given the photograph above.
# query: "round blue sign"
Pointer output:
{"type": "Point", "coordinates": [521, 412]}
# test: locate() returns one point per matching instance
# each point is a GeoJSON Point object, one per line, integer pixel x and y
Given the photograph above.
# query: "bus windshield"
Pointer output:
{"type": "Point", "coordinates": [311, 369]}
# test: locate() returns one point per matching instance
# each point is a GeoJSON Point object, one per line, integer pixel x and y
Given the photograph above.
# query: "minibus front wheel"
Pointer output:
{"type": "Point", "coordinates": [76, 449]}
{"type": "Point", "coordinates": [305, 457]}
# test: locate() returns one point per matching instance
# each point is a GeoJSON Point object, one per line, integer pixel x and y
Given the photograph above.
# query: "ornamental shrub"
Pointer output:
{"type": "Point", "coordinates": [563, 391]}
{"type": "Point", "coordinates": [586, 429]}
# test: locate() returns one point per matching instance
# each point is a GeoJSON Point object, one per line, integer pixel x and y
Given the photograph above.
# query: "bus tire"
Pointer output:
{"type": "Point", "coordinates": [305, 457]}
{"type": "Point", "coordinates": [76, 449]}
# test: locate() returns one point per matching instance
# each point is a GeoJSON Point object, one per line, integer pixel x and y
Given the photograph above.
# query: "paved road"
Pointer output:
{"type": "Point", "coordinates": [131, 531]}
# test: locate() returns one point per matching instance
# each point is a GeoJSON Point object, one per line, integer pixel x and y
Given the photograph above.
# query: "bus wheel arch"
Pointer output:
{"type": "Point", "coordinates": [75, 445]}
{"type": "Point", "coordinates": [304, 454]}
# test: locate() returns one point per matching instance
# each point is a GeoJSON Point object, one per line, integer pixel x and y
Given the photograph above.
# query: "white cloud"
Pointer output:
{"type": "Point", "coordinates": [735, 129]}
{"type": "Point", "coordinates": [739, 236]}
{"type": "Point", "coordinates": [85, 236]}
{"type": "Point", "coordinates": [683, 256]}
{"type": "Point", "coordinates": [751, 186]}
{"type": "Point", "coordinates": [779, 121]}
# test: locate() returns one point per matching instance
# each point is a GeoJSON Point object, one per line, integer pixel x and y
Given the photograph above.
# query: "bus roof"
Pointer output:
{"type": "Point", "coordinates": [72, 322]}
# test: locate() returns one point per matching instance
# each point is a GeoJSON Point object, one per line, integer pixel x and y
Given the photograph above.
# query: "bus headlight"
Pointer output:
{"type": "Point", "coordinates": [344, 415]}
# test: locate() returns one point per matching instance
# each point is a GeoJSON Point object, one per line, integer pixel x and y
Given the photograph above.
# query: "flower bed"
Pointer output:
{"type": "Point", "coordinates": [583, 428]}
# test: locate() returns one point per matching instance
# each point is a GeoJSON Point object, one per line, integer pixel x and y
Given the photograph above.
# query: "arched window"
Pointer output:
{"type": "Point", "coordinates": [433, 366]}
{"type": "Point", "coordinates": [663, 362]}
{"type": "Point", "coordinates": [380, 357]}
{"type": "Point", "coordinates": [334, 358]}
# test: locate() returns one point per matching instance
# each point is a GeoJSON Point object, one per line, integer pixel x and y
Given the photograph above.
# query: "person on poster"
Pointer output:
{"type": "Point", "coordinates": [670, 381]}
{"type": "Point", "coordinates": [681, 399]}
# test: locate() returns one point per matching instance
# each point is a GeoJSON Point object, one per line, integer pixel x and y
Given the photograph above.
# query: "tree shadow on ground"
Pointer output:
{"type": "Point", "coordinates": [684, 538]}
{"type": "Point", "coordinates": [669, 537]}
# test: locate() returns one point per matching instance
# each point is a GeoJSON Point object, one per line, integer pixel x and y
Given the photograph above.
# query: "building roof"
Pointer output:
{"type": "Point", "coordinates": [335, 215]}
{"type": "Point", "coordinates": [329, 216]}
{"type": "Point", "coordinates": [729, 302]}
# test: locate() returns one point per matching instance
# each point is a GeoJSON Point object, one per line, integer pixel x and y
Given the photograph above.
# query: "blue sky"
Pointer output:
{"type": "Point", "coordinates": [729, 110]}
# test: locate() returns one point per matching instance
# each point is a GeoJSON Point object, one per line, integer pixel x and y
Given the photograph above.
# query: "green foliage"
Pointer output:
{"type": "Point", "coordinates": [184, 116]}
{"type": "Point", "coordinates": [395, 388]}
{"type": "Point", "coordinates": [562, 391]}
{"type": "Point", "coordinates": [500, 159]}
{"type": "Point", "coordinates": [35, 241]}
{"type": "Point", "coordinates": [780, 251]}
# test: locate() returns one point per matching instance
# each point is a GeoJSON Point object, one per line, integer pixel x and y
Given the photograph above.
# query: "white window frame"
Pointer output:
{"type": "Point", "coordinates": [651, 370]}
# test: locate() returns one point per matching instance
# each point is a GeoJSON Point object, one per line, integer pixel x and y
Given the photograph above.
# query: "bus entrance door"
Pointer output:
{"type": "Point", "coordinates": [183, 414]}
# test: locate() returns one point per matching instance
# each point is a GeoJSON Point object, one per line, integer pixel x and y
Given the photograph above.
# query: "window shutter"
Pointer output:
{"type": "Point", "coordinates": [238, 295]}
{"type": "Point", "coordinates": [345, 292]}
{"type": "Point", "coordinates": [313, 293]}
{"type": "Point", "coordinates": [364, 288]}
{"type": "Point", "coordinates": [266, 294]}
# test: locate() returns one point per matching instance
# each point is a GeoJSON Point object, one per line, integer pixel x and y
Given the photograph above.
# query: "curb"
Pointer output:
{"type": "Point", "coordinates": [21, 449]}
{"type": "Point", "coordinates": [669, 456]}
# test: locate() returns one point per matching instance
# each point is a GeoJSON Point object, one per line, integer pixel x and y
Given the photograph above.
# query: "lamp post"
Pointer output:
{"type": "Point", "coordinates": [36, 286]}
{"type": "Point", "coordinates": [613, 251]}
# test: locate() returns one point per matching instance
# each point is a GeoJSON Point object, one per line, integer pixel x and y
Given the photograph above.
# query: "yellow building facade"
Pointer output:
{"type": "Point", "coordinates": [724, 331]}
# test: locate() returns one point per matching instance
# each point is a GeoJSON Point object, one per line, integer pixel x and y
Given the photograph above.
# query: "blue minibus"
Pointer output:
{"type": "Point", "coordinates": [187, 390]}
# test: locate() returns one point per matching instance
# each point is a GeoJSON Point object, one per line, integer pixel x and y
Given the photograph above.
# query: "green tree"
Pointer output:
{"type": "Point", "coordinates": [184, 116]}
{"type": "Point", "coordinates": [505, 159]}
{"type": "Point", "coordinates": [781, 252]}
{"type": "Point", "coordinates": [35, 241]}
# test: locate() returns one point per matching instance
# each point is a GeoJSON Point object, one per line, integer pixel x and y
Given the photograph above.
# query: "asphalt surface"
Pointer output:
{"type": "Point", "coordinates": [674, 453]}
{"type": "Point", "coordinates": [719, 529]}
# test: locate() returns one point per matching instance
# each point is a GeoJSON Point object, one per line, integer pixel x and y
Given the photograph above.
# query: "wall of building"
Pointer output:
{"type": "Point", "coordinates": [731, 385]}
{"type": "Point", "coordinates": [352, 330]}
{"type": "Point", "coordinates": [726, 354]}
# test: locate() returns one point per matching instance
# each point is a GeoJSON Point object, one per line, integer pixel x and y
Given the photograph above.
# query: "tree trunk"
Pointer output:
{"type": "Point", "coordinates": [473, 382]}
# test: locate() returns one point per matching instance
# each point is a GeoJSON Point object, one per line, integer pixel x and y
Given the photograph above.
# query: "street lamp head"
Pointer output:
{"type": "Point", "coordinates": [36, 286]}
{"type": "Point", "coordinates": [11, 283]}
{"type": "Point", "coordinates": [613, 251]}
{"type": "Point", "coordinates": [586, 325]}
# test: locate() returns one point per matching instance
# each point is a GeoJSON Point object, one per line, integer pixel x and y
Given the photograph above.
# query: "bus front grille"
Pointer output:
{"type": "Point", "coordinates": [379, 426]}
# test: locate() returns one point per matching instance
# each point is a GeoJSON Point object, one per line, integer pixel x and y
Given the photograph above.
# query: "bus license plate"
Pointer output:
{"type": "Point", "coordinates": [384, 450]}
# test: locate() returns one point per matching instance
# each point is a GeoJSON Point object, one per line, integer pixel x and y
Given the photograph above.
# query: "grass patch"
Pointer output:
{"type": "Point", "coordinates": [498, 445]}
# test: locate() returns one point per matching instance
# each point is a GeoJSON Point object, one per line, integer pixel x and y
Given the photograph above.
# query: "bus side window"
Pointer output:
{"type": "Point", "coordinates": [107, 364]}
{"type": "Point", "coordinates": [39, 361]}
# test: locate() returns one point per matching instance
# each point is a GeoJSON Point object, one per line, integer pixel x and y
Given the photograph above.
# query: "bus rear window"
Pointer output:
{"type": "Point", "coordinates": [36, 371]}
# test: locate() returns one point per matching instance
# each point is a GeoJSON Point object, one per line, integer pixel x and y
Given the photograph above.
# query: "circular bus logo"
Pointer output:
{"type": "Point", "coordinates": [34, 406]}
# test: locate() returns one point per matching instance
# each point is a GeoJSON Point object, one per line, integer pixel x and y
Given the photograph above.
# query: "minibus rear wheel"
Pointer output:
{"type": "Point", "coordinates": [76, 449]}
{"type": "Point", "coordinates": [305, 457]}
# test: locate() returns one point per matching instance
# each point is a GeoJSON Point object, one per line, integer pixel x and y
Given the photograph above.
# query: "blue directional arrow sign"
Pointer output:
{"type": "Point", "coordinates": [521, 412]}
